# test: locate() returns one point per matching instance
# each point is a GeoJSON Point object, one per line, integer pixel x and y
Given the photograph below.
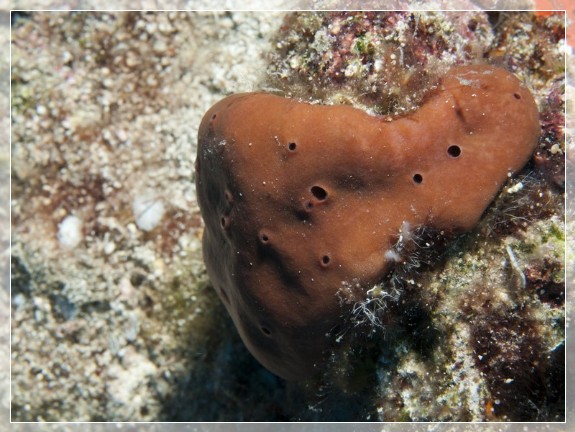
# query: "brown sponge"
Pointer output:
{"type": "Point", "coordinates": [300, 200]}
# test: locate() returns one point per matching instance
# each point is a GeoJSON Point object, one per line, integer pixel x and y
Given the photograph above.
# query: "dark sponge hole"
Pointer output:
{"type": "Point", "coordinates": [292, 146]}
{"type": "Point", "coordinates": [264, 238]}
{"type": "Point", "coordinates": [266, 331]}
{"type": "Point", "coordinates": [225, 222]}
{"type": "Point", "coordinates": [319, 193]}
{"type": "Point", "coordinates": [417, 178]}
{"type": "Point", "coordinates": [516, 95]}
{"type": "Point", "coordinates": [325, 260]}
{"type": "Point", "coordinates": [454, 151]}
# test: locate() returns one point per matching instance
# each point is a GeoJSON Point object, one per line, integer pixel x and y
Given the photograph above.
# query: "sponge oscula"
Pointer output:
{"type": "Point", "coordinates": [299, 200]}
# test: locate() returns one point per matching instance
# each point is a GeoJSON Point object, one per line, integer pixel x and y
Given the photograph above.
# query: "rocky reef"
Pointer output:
{"type": "Point", "coordinates": [113, 315]}
{"type": "Point", "coordinates": [478, 334]}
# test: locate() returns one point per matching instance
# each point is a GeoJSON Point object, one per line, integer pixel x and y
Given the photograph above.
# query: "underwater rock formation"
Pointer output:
{"type": "Point", "coordinates": [303, 203]}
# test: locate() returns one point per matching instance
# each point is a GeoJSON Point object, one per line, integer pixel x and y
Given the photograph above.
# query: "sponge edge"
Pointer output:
{"type": "Point", "coordinates": [300, 200]}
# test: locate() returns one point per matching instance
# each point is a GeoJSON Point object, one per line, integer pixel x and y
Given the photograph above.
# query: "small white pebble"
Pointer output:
{"type": "Point", "coordinates": [152, 81]}
{"type": "Point", "coordinates": [18, 300]}
{"type": "Point", "coordinates": [165, 27]}
{"type": "Point", "coordinates": [67, 57]}
{"type": "Point", "coordinates": [160, 46]}
{"type": "Point", "coordinates": [121, 134]}
{"type": "Point", "coordinates": [70, 232]}
{"type": "Point", "coordinates": [132, 60]}
{"type": "Point", "coordinates": [515, 188]}
{"type": "Point", "coordinates": [148, 210]}
{"type": "Point", "coordinates": [132, 327]}
{"type": "Point", "coordinates": [556, 148]}
{"type": "Point", "coordinates": [151, 27]}
{"type": "Point", "coordinates": [109, 247]}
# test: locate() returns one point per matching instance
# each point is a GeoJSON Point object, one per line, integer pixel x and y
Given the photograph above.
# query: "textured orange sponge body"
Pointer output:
{"type": "Point", "coordinates": [301, 200]}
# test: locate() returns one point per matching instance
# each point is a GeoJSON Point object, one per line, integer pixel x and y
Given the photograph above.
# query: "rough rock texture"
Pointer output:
{"type": "Point", "coordinates": [383, 62]}
{"type": "Point", "coordinates": [303, 200]}
{"type": "Point", "coordinates": [104, 108]}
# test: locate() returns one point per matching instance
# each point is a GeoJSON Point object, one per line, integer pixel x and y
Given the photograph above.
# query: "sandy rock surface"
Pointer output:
{"type": "Point", "coordinates": [107, 274]}
{"type": "Point", "coordinates": [113, 316]}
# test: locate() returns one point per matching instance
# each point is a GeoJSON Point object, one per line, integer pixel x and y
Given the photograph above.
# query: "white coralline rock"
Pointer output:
{"type": "Point", "coordinates": [70, 232]}
{"type": "Point", "coordinates": [148, 210]}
